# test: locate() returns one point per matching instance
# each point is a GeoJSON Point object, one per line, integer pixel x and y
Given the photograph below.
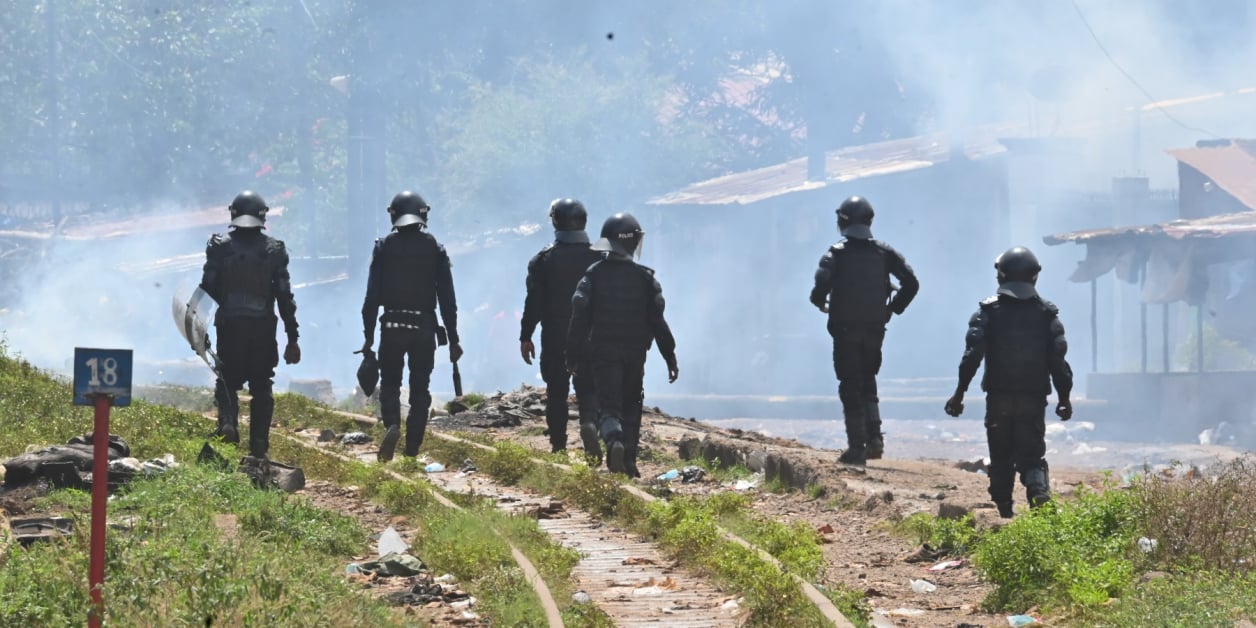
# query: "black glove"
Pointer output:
{"type": "Point", "coordinates": [673, 371]}
{"type": "Point", "coordinates": [955, 405]}
{"type": "Point", "coordinates": [455, 351]}
{"type": "Point", "coordinates": [1064, 410]}
{"type": "Point", "coordinates": [292, 353]}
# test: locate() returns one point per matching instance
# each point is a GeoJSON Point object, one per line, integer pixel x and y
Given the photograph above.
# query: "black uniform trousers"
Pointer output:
{"type": "Point", "coordinates": [1016, 433]}
{"type": "Point", "coordinates": [618, 375]}
{"type": "Point", "coordinates": [396, 347]}
{"type": "Point", "coordinates": [558, 384]}
{"type": "Point", "coordinates": [856, 362]}
{"type": "Point", "coordinates": [248, 354]}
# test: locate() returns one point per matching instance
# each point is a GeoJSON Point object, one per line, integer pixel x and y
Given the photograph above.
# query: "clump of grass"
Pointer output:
{"type": "Point", "coordinates": [1208, 520]}
{"type": "Point", "coordinates": [298, 411]}
{"type": "Point", "coordinates": [1075, 553]}
{"type": "Point", "coordinates": [190, 398]}
{"type": "Point", "coordinates": [472, 400]}
{"type": "Point", "coordinates": [953, 536]}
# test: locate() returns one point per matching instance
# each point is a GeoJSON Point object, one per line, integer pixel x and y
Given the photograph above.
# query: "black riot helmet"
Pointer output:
{"type": "Point", "coordinates": [408, 208]}
{"type": "Point", "coordinates": [1018, 270]}
{"type": "Point", "coordinates": [854, 218]}
{"type": "Point", "coordinates": [248, 210]}
{"type": "Point", "coordinates": [568, 214]}
{"type": "Point", "coordinates": [621, 234]}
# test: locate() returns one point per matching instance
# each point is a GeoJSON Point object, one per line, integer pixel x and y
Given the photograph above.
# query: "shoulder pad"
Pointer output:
{"type": "Point", "coordinates": [545, 251]}
{"type": "Point", "coordinates": [218, 239]}
{"type": "Point", "coordinates": [990, 302]}
{"type": "Point", "coordinates": [646, 269]}
{"type": "Point", "coordinates": [839, 246]}
{"type": "Point", "coordinates": [1049, 306]}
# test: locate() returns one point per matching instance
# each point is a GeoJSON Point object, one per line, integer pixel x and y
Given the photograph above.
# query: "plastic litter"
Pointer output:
{"type": "Point", "coordinates": [352, 568]}
{"type": "Point", "coordinates": [434, 467]}
{"type": "Point", "coordinates": [950, 564]}
{"type": "Point", "coordinates": [692, 474]}
{"type": "Point", "coordinates": [390, 541]}
{"type": "Point", "coordinates": [355, 438]}
{"type": "Point", "coordinates": [905, 612]}
{"type": "Point", "coordinates": [1147, 545]}
{"type": "Point", "coordinates": [923, 586]}
{"type": "Point", "coordinates": [1015, 621]}
{"type": "Point", "coordinates": [745, 485]}
{"type": "Point", "coordinates": [580, 597]}
{"type": "Point", "coordinates": [669, 476]}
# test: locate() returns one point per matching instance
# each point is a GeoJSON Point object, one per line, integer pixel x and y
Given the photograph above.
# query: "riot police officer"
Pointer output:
{"type": "Point", "coordinates": [552, 277]}
{"type": "Point", "coordinates": [616, 314]}
{"type": "Point", "coordinates": [1022, 340]}
{"type": "Point", "coordinates": [409, 276]}
{"type": "Point", "coordinates": [852, 285]}
{"type": "Point", "coordinates": [246, 273]}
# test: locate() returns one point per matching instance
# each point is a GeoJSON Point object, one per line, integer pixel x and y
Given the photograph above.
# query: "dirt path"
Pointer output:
{"type": "Point", "coordinates": [627, 577]}
{"type": "Point", "coordinates": [857, 505]}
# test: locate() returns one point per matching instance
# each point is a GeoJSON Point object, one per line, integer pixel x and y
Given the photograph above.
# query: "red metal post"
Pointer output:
{"type": "Point", "coordinates": [100, 497]}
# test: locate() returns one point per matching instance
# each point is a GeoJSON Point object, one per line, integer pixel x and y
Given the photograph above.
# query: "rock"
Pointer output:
{"type": "Point", "coordinates": [319, 390]}
{"type": "Point", "coordinates": [326, 436]}
{"type": "Point", "coordinates": [757, 460]}
{"type": "Point", "coordinates": [951, 510]}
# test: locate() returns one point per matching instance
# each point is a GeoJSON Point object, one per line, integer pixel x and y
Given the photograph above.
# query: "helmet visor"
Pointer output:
{"type": "Point", "coordinates": [247, 221]}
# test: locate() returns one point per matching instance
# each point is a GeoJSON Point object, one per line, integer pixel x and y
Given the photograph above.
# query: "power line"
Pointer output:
{"type": "Point", "coordinates": [1151, 99]}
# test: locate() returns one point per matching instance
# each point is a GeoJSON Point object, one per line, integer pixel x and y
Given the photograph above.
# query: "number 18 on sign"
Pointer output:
{"type": "Point", "coordinates": [102, 378]}
{"type": "Point", "coordinates": [102, 372]}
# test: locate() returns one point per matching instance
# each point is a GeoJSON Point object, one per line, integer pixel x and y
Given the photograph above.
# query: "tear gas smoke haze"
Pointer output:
{"type": "Point", "coordinates": [328, 107]}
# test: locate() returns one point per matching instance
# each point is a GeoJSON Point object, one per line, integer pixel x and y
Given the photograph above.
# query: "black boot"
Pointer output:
{"type": "Point", "coordinates": [854, 455]}
{"type": "Point", "coordinates": [392, 434]}
{"type": "Point", "coordinates": [261, 409]}
{"type": "Point", "coordinates": [1037, 483]}
{"type": "Point", "coordinates": [876, 440]}
{"type": "Point", "coordinates": [615, 457]}
{"type": "Point", "coordinates": [228, 414]}
{"type": "Point", "coordinates": [592, 446]}
{"type": "Point", "coordinates": [1005, 509]}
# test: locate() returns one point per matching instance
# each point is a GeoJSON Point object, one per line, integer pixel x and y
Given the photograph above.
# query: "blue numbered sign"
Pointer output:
{"type": "Point", "coordinates": [102, 372]}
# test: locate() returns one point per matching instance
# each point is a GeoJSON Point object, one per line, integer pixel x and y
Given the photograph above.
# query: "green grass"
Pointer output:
{"type": "Point", "coordinates": [1201, 598]}
{"type": "Point", "coordinates": [174, 566]}
{"type": "Point", "coordinates": [283, 568]}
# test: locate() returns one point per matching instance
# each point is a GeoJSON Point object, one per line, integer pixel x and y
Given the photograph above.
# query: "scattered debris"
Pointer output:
{"type": "Point", "coordinates": [668, 476]}
{"type": "Point", "coordinates": [923, 586]}
{"type": "Point", "coordinates": [267, 473]}
{"type": "Point", "coordinates": [949, 564]}
{"type": "Point", "coordinates": [923, 554]}
{"type": "Point", "coordinates": [1015, 621]}
{"type": "Point", "coordinates": [1146, 545]}
{"type": "Point", "coordinates": [633, 560]}
{"type": "Point", "coordinates": [580, 597]}
{"type": "Point", "coordinates": [553, 510]}
{"type": "Point", "coordinates": [656, 587]}
{"type": "Point", "coordinates": [434, 467]}
{"type": "Point", "coordinates": [691, 474]}
{"type": "Point", "coordinates": [326, 436]}
{"type": "Point", "coordinates": [825, 529]}
{"type": "Point", "coordinates": [390, 542]}
{"type": "Point", "coordinates": [355, 438]}
{"type": "Point", "coordinates": [978, 465]}
{"type": "Point", "coordinates": [27, 530]}
{"type": "Point", "coordinates": [60, 464]}
{"type": "Point", "coordinates": [392, 564]}
{"type": "Point", "coordinates": [467, 467]}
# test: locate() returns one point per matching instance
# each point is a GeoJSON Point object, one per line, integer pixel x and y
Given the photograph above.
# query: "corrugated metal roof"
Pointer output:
{"type": "Point", "coordinates": [1231, 166]}
{"type": "Point", "coordinates": [1225, 225]}
{"type": "Point", "coordinates": [88, 227]}
{"type": "Point", "coordinates": [848, 164]}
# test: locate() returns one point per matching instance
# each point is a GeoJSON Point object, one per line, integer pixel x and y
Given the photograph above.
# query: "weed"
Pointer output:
{"type": "Point", "coordinates": [1209, 521]}
{"type": "Point", "coordinates": [816, 491]}
{"type": "Point", "coordinates": [1062, 554]}
{"type": "Point", "coordinates": [954, 536]}
{"type": "Point", "coordinates": [473, 401]}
